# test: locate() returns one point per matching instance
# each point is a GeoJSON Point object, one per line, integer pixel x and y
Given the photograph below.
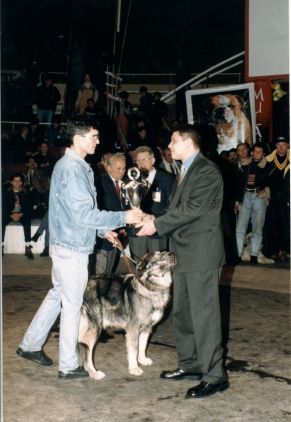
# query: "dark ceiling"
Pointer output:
{"type": "Point", "coordinates": [197, 32]}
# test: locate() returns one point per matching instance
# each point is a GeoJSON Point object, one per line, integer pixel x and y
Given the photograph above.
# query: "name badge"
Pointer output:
{"type": "Point", "coordinates": [156, 196]}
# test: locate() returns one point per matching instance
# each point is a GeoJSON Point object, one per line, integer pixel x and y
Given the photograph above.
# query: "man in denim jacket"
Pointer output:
{"type": "Point", "coordinates": [73, 221]}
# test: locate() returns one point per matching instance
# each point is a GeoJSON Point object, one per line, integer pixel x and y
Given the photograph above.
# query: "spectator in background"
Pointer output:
{"type": "Point", "coordinates": [55, 134]}
{"type": "Point", "coordinates": [252, 198]}
{"type": "Point", "coordinates": [145, 103]}
{"type": "Point", "coordinates": [158, 116]}
{"type": "Point", "coordinates": [277, 226]}
{"type": "Point", "coordinates": [36, 133]}
{"type": "Point", "coordinates": [168, 164]}
{"type": "Point", "coordinates": [45, 161]}
{"type": "Point", "coordinates": [90, 110]}
{"type": "Point", "coordinates": [23, 91]}
{"type": "Point", "coordinates": [87, 90]}
{"type": "Point", "coordinates": [23, 146]}
{"type": "Point", "coordinates": [36, 183]}
{"type": "Point", "coordinates": [232, 155]}
{"type": "Point", "coordinates": [17, 206]}
{"type": "Point", "coordinates": [47, 97]}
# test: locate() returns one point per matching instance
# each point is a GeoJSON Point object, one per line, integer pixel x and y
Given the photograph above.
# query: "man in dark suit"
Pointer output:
{"type": "Point", "coordinates": [110, 197]}
{"type": "Point", "coordinates": [154, 202]}
{"type": "Point", "coordinates": [193, 224]}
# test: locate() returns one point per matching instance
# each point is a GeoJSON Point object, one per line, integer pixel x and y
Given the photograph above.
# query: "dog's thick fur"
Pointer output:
{"type": "Point", "coordinates": [134, 303]}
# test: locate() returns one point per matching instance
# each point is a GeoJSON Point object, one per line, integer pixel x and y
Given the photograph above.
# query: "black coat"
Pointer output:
{"type": "Point", "coordinates": [108, 200]}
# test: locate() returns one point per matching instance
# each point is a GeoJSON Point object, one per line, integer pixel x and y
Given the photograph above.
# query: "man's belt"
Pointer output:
{"type": "Point", "coordinates": [251, 190]}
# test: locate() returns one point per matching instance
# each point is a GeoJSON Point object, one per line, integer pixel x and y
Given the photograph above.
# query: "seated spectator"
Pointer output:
{"type": "Point", "coordinates": [55, 134]}
{"type": "Point", "coordinates": [36, 133]}
{"type": "Point", "coordinates": [17, 206]}
{"type": "Point", "coordinates": [90, 109]}
{"type": "Point", "coordinates": [23, 145]}
{"type": "Point", "coordinates": [45, 161]}
{"type": "Point", "coordinates": [36, 183]}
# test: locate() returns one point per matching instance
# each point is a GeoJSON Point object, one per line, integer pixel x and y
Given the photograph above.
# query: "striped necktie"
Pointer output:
{"type": "Point", "coordinates": [181, 175]}
{"type": "Point", "coordinates": [117, 187]}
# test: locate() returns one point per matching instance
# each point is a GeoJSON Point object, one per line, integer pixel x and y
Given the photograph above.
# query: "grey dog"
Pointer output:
{"type": "Point", "coordinates": [133, 302]}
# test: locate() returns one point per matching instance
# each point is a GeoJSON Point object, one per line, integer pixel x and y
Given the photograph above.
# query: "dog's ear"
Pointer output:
{"type": "Point", "coordinates": [241, 101]}
{"type": "Point", "coordinates": [141, 264]}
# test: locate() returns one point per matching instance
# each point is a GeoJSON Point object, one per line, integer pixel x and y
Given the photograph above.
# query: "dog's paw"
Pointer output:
{"type": "Point", "coordinates": [98, 375]}
{"type": "Point", "coordinates": [145, 361]}
{"type": "Point", "coordinates": [135, 371]}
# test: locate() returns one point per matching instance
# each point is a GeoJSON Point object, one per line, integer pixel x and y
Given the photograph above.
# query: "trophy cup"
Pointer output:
{"type": "Point", "coordinates": [135, 188]}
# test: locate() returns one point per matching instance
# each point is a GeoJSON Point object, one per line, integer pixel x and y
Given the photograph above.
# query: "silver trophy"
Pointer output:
{"type": "Point", "coordinates": [135, 188]}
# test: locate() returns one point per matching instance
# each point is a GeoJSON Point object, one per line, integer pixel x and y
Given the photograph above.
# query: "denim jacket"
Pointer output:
{"type": "Point", "coordinates": [73, 213]}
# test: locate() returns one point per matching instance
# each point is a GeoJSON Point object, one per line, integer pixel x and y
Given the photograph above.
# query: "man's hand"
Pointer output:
{"type": "Point", "coordinates": [112, 237]}
{"type": "Point", "coordinates": [148, 217]}
{"type": "Point", "coordinates": [146, 229]}
{"type": "Point", "coordinates": [134, 216]}
{"type": "Point", "coordinates": [16, 216]}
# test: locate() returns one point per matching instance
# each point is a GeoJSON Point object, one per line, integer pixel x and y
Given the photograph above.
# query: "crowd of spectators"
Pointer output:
{"type": "Point", "coordinates": [255, 212]}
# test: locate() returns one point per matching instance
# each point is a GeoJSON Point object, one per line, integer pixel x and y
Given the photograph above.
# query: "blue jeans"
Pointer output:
{"type": "Point", "coordinates": [254, 209]}
{"type": "Point", "coordinates": [69, 279]}
{"type": "Point", "coordinates": [45, 116]}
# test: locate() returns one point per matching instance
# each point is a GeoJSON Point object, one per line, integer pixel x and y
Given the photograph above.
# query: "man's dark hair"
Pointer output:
{"type": "Point", "coordinates": [189, 131]}
{"type": "Point", "coordinates": [79, 125]}
{"type": "Point", "coordinates": [143, 89]}
{"type": "Point", "coordinates": [245, 144]}
{"type": "Point", "coordinates": [13, 175]}
{"type": "Point", "coordinates": [258, 145]}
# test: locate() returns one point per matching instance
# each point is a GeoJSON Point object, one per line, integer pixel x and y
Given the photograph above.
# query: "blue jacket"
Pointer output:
{"type": "Point", "coordinates": [73, 213]}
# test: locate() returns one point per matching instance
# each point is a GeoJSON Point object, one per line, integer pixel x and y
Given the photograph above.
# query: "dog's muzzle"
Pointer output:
{"type": "Point", "coordinates": [222, 115]}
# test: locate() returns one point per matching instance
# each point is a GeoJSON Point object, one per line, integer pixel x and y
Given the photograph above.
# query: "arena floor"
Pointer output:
{"type": "Point", "coordinates": [256, 320]}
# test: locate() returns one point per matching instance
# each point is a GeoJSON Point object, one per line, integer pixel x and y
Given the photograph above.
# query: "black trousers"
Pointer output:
{"type": "Point", "coordinates": [197, 323]}
{"type": "Point", "coordinates": [26, 223]}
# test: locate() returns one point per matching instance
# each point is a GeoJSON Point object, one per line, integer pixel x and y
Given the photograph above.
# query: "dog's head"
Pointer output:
{"type": "Point", "coordinates": [224, 108]}
{"type": "Point", "coordinates": [156, 267]}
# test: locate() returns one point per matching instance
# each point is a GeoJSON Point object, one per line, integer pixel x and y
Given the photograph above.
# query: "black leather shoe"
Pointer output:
{"type": "Point", "coordinates": [76, 373]}
{"type": "Point", "coordinates": [178, 374]}
{"type": "Point", "coordinates": [205, 389]}
{"type": "Point", "coordinates": [45, 252]}
{"type": "Point", "coordinates": [28, 252]}
{"type": "Point", "coordinates": [38, 357]}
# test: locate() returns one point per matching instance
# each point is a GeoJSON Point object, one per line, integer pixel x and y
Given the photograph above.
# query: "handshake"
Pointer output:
{"type": "Point", "coordinates": [136, 216]}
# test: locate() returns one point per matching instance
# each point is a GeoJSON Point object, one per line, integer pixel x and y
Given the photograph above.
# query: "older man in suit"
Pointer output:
{"type": "Point", "coordinates": [193, 224]}
{"type": "Point", "coordinates": [154, 202]}
{"type": "Point", "coordinates": [111, 197]}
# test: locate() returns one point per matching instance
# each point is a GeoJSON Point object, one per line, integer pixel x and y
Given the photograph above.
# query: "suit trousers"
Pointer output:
{"type": "Point", "coordinates": [106, 261]}
{"type": "Point", "coordinates": [139, 246]}
{"type": "Point", "coordinates": [197, 323]}
{"type": "Point", "coordinates": [69, 279]}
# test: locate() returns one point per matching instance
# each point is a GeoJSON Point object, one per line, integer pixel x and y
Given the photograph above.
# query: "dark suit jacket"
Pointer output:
{"type": "Point", "coordinates": [107, 199]}
{"type": "Point", "coordinates": [163, 182]}
{"type": "Point", "coordinates": [193, 218]}
{"type": "Point", "coordinates": [9, 202]}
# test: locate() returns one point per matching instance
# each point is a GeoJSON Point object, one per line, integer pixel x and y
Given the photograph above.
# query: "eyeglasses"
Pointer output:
{"type": "Point", "coordinates": [141, 160]}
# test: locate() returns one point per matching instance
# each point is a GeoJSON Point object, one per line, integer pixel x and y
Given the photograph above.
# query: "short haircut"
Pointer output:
{"type": "Point", "coordinates": [258, 145]}
{"type": "Point", "coordinates": [14, 175]}
{"type": "Point", "coordinates": [115, 157]}
{"type": "Point", "coordinates": [245, 144]}
{"type": "Point", "coordinates": [189, 131]}
{"type": "Point", "coordinates": [79, 125]}
{"type": "Point", "coordinates": [144, 148]}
